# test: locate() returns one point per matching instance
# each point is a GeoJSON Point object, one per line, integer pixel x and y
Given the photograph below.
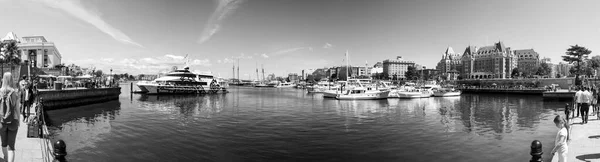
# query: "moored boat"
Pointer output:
{"type": "Point", "coordinates": [362, 94]}
{"type": "Point", "coordinates": [285, 85]}
{"type": "Point", "coordinates": [183, 81]}
{"type": "Point", "coordinates": [444, 92]}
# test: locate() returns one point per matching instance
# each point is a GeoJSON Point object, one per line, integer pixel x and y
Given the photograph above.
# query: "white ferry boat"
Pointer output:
{"type": "Point", "coordinates": [183, 81]}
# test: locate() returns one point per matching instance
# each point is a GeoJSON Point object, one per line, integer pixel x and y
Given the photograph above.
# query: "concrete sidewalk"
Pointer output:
{"type": "Point", "coordinates": [585, 141]}
{"type": "Point", "coordinates": [31, 149]}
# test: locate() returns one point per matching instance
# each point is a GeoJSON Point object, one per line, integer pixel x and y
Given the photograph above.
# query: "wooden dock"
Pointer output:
{"type": "Point", "coordinates": [559, 94]}
{"type": "Point", "coordinates": [504, 90]}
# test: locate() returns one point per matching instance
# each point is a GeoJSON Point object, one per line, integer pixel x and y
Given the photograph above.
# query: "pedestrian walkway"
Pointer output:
{"type": "Point", "coordinates": [31, 149]}
{"type": "Point", "coordinates": [585, 141]}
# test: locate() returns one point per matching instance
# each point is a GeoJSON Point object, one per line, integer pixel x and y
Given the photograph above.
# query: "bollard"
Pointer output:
{"type": "Point", "coordinates": [60, 151]}
{"type": "Point", "coordinates": [131, 88]}
{"type": "Point", "coordinates": [536, 151]}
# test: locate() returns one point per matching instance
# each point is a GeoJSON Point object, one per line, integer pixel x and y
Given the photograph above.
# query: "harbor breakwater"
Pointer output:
{"type": "Point", "coordinates": [57, 99]}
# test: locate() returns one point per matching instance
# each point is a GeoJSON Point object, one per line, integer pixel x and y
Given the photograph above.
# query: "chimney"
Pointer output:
{"type": "Point", "coordinates": [398, 57]}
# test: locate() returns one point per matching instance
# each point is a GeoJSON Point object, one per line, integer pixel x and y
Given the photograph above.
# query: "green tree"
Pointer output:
{"type": "Point", "coordinates": [515, 73]}
{"type": "Point", "coordinates": [9, 54]}
{"type": "Point", "coordinates": [411, 73]}
{"type": "Point", "coordinates": [543, 70]}
{"type": "Point", "coordinates": [576, 55]}
{"type": "Point", "coordinates": [98, 73]}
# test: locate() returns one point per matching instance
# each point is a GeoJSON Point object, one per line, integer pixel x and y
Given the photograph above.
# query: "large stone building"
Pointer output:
{"type": "Point", "coordinates": [496, 61]}
{"type": "Point", "coordinates": [396, 67]}
{"type": "Point", "coordinates": [36, 49]}
{"type": "Point", "coordinates": [563, 68]}
{"type": "Point", "coordinates": [450, 65]}
{"type": "Point", "coordinates": [528, 61]}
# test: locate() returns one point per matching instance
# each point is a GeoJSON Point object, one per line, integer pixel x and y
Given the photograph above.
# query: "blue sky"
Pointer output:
{"type": "Point", "coordinates": [148, 36]}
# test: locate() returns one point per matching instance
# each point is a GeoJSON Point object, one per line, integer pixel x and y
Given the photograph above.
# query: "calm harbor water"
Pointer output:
{"type": "Point", "coordinates": [270, 124]}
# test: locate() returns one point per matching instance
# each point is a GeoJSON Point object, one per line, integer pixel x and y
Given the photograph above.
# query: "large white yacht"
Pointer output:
{"type": "Point", "coordinates": [183, 81]}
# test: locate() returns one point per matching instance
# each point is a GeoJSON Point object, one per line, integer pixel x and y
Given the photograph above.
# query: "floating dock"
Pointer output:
{"type": "Point", "coordinates": [501, 90]}
{"type": "Point", "coordinates": [559, 94]}
{"type": "Point", "coordinates": [57, 99]}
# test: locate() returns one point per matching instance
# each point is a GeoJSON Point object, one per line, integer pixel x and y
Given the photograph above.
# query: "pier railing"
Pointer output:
{"type": "Point", "coordinates": [50, 152]}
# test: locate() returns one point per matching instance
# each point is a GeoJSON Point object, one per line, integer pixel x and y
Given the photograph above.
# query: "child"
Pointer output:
{"type": "Point", "coordinates": [560, 144]}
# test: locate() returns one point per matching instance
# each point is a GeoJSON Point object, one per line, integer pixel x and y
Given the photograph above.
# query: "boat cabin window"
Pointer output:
{"type": "Point", "coordinates": [356, 91]}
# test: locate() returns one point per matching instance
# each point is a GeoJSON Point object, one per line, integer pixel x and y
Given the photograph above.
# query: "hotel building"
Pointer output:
{"type": "Point", "coordinates": [396, 67]}
{"type": "Point", "coordinates": [496, 61]}
{"type": "Point", "coordinates": [528, 60]}
{"type": "Point", "coordinates": [450, 65]}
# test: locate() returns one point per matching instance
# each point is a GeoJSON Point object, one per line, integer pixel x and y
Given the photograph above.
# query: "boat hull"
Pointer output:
{"type": "Point", "coordinates": [446, 94]}
{"type": "Point", "coordinates": [408, 95]}
{"type": "Point", "coordinates": [169, 89]}
{"type": "Point", "coordinates": [364, 96]}
{"type": "Point", "coordinates": [331, 93]}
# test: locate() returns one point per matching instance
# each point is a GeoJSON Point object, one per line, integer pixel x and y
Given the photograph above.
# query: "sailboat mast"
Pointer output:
{"type": "Point", "coordinates": [238, 68]}
{"type": "Point", "coordinates": [347, 66]}
{"type": "Point", "coordinates": [233, 69]}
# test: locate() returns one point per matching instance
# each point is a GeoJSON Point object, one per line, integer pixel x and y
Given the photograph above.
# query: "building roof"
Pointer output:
{"type": "Point", "coordinates": [525, 51]}
{"type": "Point", "coordinates": [449, 50]}
{"type": "Point", "coordinates": [10, 36]}
{"type": "Point", "coordinates": [470, 50]}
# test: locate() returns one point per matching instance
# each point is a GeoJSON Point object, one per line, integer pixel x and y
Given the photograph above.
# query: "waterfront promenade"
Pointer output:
{"type": "Point", "coordinates": [31, 149]}
{"type": "Point", "coordinates": [585, 141]}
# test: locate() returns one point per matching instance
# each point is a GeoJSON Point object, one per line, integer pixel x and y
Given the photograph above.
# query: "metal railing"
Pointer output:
{"type": "Point", "coordinates": [50, 151]}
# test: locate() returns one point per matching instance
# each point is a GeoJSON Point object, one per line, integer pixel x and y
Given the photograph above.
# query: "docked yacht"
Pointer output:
{"type": "Point", "coordinates": [408, 92]}
{"type": "Point", "coordinates": [285, 85]}
{"type": "Point", "coordinates": [363, 94]}
{"type": "Point", "coordinates": [183, 81]}
{"type": "Point", "coordinates": [322, 86]}
{"type": "Point", "coordinates": [446, 92]}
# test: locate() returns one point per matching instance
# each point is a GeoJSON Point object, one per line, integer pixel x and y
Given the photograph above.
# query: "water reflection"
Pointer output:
{"type": "Point", "coordinates": [85, 125]}
{"type": "Point", "coordinates": [291, 125]}
{"type": "Point", "coordinates": [184, 106]}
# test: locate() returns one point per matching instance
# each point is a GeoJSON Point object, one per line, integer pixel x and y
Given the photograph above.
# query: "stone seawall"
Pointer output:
{"type": "Point", "coordinates": [58, 99]}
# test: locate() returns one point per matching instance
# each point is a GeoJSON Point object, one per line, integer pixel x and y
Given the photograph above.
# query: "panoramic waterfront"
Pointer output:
{"type": "Point", "coordinates": [250, 124]}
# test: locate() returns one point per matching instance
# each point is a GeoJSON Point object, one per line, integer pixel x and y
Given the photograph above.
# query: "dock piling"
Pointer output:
{"type": "Point", "coordinates": [536, 151]}
{"type": "Point", "coordinates": [60, 151]}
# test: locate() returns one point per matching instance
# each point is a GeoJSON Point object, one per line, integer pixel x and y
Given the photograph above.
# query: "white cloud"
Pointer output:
{"type": "Point", "coordinates": [74, 8]}
{"type": "Point", "coordinates": [327, 45]}
{"type": "Point", "coordinates": [148, 65]}
{"type": "Point", "coordinates": [264, 55]}
{"type": "Point", "coordinates": [223, 10]}
{"type": "Point", "coordinates": [290, 50]}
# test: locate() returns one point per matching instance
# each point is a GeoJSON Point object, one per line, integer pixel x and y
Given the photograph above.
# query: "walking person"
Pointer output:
{"type": "Point", "coordinates": [9, 117]}
{"type": "Point", "coordinates": [578, 101]}
{"type": "Point", "coordinates": [562, 137]}
{"type": "Point", "coordinates": [24, 87]}
{"type": "Point", "coordinates": [585, 105]}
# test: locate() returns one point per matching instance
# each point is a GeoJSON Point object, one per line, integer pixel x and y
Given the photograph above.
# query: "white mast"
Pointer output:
{"type": "Point", "coordinates": [347, 66]}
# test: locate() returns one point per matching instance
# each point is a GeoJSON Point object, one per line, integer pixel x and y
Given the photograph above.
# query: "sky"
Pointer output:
{"type": "Point", "coordinates": [286, 36]}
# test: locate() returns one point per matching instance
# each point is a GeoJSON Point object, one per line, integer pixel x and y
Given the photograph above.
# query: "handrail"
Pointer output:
{"type": "Point", "coordinates": [57, 151]}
